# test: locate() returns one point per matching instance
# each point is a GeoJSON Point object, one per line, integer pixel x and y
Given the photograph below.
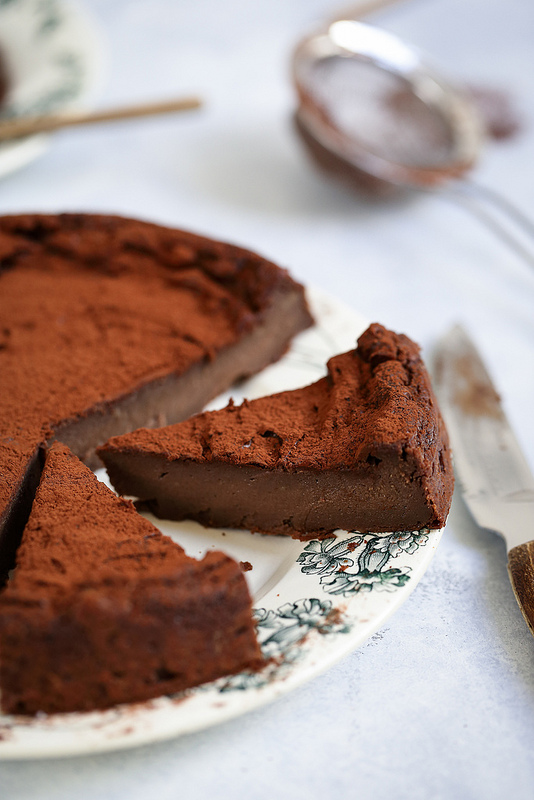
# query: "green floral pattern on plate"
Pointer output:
{"type": "Point", "coordinates": [345, 568]}
{"type": "Point", "coordinates": [281, 633]}
{"type": "Point", "coordinates": [369, 553]}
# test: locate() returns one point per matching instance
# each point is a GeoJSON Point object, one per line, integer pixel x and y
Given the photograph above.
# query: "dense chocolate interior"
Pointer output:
{"type": "Point", "coordinates": [307, 502]}
{"type": "Point", "coordinates": [364, 448]}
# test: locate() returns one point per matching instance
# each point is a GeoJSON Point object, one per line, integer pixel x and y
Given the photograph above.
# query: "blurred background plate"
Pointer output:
{"type": "Point", "coordinates": [53, 60]}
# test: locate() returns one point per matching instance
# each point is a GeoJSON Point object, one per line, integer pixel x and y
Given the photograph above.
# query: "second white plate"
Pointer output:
{"type": "Point", "coordinates": [53, 57]}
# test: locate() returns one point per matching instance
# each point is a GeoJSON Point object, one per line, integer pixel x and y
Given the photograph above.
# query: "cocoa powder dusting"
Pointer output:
{"type": "Point", "coordinates": [102, 608]}
{"type": "Point", "coordinates": [474, 392]}
{"type": "Point", "coordinates": [371, 399]}
{"type": "Point", "coordinates": [94, 307]}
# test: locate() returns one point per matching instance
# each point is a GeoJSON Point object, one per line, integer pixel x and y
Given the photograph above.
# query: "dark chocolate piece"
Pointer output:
{"type": "Point", "coordinates": [364, 449]}
{"type": "Point", "coordinates": [103, 609]}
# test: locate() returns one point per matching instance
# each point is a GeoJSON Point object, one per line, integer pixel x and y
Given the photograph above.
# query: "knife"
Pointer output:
{"type": "Point", "coordinates": [492, 472]}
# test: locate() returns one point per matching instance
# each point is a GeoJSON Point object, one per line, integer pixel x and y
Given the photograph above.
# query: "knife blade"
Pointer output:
{"type": "Point", "coordinates": [491, 470]}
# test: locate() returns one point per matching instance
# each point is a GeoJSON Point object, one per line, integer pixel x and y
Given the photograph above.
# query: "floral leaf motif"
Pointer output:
{"type": "Point", "coordinates": [328, 556]}
{"type": "Point", "coordinates": [69, 76]}
{"type": "Point", "coordinates": [365, 581]}
{"type": "Point", "coordinates": [266, 619]}
{"type": "Point", "coordinates": [50, 17]}
{"type": "Point", "coordinates": [392, 545]}
{"type": "Point", "coordinates": [281, 634]}
{"type": "Point", "coordinates": [293, 622]}
{"type": "Point", "coordinates": [332, 561]}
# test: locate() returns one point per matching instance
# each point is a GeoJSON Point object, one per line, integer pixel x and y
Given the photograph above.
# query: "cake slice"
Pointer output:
{"type": "Point", "coordinates": [364, 448]}
{"type": "Point", "coordinates": [109, 324]}
{"type": "Point", "coordinates": [103, 609]}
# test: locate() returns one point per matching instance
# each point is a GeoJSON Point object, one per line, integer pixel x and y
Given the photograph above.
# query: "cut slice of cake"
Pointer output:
{"type": "Point", "coordinates": [103, 609]}
{"type": "Point", "coordinates": [364, 448]}
{"type": "Point", "coordinates": [111, 323]}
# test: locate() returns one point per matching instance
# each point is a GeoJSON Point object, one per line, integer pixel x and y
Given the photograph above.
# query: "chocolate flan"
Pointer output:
{"type": "Point", "coordinates": [103, 609]}
{"type": "Point", "coordinates": [364, 448]}
{"type": "Point", "coordinates": [109, 324]}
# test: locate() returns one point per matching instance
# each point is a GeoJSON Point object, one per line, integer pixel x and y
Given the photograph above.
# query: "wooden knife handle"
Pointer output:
{"type": "Point", "coordinates": [521, 571]}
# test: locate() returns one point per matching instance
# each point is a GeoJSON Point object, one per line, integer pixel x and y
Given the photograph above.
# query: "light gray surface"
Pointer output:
{"type": "Point", "coordinates": [440, 703]}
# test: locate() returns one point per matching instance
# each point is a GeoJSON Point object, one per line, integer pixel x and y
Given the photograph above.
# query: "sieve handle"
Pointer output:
{"type": "Point", "coordinates": [497, 213]}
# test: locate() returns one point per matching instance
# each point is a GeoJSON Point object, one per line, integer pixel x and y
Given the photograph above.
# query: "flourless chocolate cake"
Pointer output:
{"type": "Point", "coordinates": [103, 609]}
{"type": "Point", "coordinates": [108, 324]}
{"type": "Point", "coordinates": [364, 448]}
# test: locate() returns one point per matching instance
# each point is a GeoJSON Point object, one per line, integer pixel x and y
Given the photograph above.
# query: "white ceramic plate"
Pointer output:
{"type": "Point", "coordinates": [53, 56]}
{"type": "Point", "coordinates": [314, 601]}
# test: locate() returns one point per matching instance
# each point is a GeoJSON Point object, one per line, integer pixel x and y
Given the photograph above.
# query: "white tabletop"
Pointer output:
{"type": "Point", "coordinates": [440, 702]}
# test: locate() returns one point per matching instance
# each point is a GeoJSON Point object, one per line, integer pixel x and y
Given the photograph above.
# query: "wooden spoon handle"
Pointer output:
{"type": "Point", "coordinates": [521, 571]}
{"type": "Point", "coordinates": [25, 126]}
